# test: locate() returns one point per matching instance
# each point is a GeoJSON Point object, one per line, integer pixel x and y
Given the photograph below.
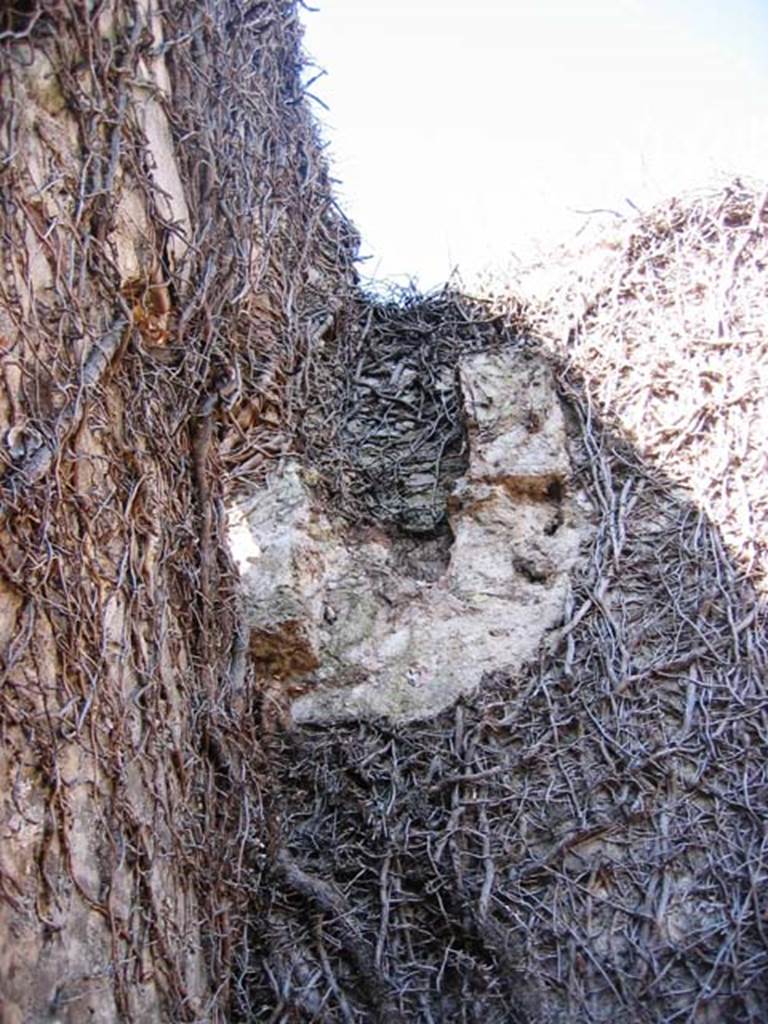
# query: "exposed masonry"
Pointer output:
{"type": "Point", "coordinates": [367, 624]}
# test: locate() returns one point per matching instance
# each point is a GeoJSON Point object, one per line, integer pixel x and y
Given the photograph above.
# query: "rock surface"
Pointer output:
{"type": "Point", "coordinates": [367, 625]}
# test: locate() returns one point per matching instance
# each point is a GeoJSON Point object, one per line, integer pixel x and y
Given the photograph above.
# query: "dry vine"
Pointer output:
{"type": "Point", "coordinates": [583, 843]}
{"type": "Point", "coordinates": [384, 428]}
{"type": "Point", "coordinates": [126, 704]}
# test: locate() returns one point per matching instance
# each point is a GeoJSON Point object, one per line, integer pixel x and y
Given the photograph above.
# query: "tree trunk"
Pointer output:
{"type": "Point", "coordinates": [168, 243]}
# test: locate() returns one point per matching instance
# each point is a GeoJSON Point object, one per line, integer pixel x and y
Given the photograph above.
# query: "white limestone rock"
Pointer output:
{"type": "Point", "coordinates": [339, 612]}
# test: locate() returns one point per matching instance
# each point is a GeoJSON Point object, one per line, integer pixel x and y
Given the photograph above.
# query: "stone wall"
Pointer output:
{"type": "Point", "coordinates": [361, 629]}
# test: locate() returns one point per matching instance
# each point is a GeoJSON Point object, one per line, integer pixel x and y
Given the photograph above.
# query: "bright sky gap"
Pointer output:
{"type": "Point", "coordinates": [471, 135]}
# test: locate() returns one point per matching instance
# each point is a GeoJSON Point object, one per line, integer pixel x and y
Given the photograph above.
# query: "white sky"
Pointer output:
{"type": "Point", "coordinates": [466, 133]}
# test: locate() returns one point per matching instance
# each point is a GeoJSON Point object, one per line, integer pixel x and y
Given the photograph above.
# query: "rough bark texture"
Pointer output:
{"type": "Point", "coordinates": [168, 243]}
